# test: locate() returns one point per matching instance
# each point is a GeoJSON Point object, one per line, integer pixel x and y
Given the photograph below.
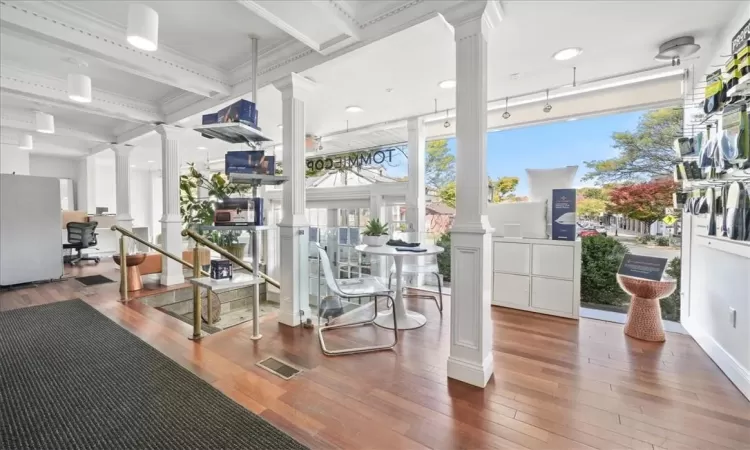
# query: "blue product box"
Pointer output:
{"type": "Point", "coordinates": [249, 162]}
{"type": "Point", "coordinates": [221, 269]}
{"type": "Point", "coordinates": [242, 111]}
{"type": "Point", "coordinates": [209, 119]}
{"type": "Point", "coordinates": [564, 214]}
{"type": "Point", "coordinates": [258, 207]}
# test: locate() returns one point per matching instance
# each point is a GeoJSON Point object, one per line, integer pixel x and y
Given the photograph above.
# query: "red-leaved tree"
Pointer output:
{"type": "Point", "coordinates": [646, 202]}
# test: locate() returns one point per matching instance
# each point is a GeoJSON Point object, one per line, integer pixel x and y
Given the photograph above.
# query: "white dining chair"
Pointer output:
{"type": "Point", "coordinates": [420, 265]}
{"type": "Point", "coordinates": [354, 289]}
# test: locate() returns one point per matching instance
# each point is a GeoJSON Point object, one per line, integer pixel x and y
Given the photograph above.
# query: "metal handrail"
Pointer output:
{"type": "Point", "coordinates": [203, 241]}
{"type": "Point", "coordinates": [154, 247]}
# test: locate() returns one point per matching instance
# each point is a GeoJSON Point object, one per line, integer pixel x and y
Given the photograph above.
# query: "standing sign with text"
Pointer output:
{"type": "Point", "coordinates": [564, 214]}
{"type": "Point", "coordinates": [645, 267]}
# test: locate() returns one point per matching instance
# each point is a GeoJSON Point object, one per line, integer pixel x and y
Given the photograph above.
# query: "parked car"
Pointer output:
{"type": "Point", "coordinates": [588, 232]}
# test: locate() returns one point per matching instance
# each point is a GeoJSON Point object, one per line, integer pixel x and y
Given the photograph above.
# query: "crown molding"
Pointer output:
{"type": "Point", "coordinates": [69, 27]}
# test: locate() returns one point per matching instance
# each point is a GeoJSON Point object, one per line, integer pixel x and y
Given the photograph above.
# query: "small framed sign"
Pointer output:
{"type": "Point", "coordinates": [645, 267]}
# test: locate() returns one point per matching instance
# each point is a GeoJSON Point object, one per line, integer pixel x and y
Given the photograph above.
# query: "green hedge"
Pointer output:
{"type": "Point", "coordinates": [670, 306]}
{"type": "Point", "coordinates": [600, 258]}
{"type": "Point", "coordinates": [444, 259]}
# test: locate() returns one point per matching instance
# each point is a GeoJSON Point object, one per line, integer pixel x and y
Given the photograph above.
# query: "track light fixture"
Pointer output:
{"type": "Point", "coordinates": [506, 114]}
{"type": "Point", "coordinates": [547, 107]}
{"type": "Point", "coordinates": [574, 76]}
{"type": "Point", "coordinates": [447, 123]}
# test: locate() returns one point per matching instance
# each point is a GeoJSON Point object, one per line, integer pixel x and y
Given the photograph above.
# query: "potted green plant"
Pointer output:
{"type": "Point", "coordinates": [197, 210]}
{"type": "Point", "coordinates": [375, 234]}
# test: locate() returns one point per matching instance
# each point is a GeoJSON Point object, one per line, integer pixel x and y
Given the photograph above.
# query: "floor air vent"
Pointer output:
{"type": "Point", "coordinates": [278, 367]}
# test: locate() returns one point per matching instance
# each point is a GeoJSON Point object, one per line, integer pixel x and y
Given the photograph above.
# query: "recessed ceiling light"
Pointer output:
{"type": "Point", "coordinates": [567, 53]}
{"type": "Point", "coordinates": [143, 27]}
{"type": "Point", "coordinates": [150, 161]}
{"type": "Point", "coordinates": [201, 148]}
{"type": "Point", "coordinates": [447, 84]}
{"type": "Point", "coordinates": [280, 126]}
{"type": "Point", "coordinates": [353, 109]}
{"type": "Point", "coordinates": [572, 119]}
{"type": "Point", "coordinates": [515, 76]}
{"type": "Point", "coordinates": [132, 165]}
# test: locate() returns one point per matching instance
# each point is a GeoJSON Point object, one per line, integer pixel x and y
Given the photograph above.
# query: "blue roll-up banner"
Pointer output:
{"type": "Point", "coordinates": [564, 214]}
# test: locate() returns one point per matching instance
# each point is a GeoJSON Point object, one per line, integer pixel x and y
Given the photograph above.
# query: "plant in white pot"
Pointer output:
{"type": "Point", "coordinates": [375, 234]}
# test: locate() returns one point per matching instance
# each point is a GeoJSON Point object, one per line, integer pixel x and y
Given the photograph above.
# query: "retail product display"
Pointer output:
{"type": "Point", "coordinates": [564, 214]}
{"type": "Point", "coordinates": [239, 212]}
{"type": "Point", "coordinates": [249, 162]}
{"type": "Point", "coordinates": [242, 111]}
{"type": "Point", "coordinates": [543, 181]}
{"type": "Point", "coordinates": [221, 269]}
{"type": "Point", "coordinates": [524, 219]}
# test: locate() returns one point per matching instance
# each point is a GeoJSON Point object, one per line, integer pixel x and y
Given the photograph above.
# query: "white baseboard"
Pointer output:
{"type": "Point", "coordinates": [470, 373]}
{"type": "Point", "coordinates": [739, 375]}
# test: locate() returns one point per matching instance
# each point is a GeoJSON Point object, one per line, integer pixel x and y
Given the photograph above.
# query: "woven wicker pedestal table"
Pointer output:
{"type": "Point", "coordinates": [644, 316]}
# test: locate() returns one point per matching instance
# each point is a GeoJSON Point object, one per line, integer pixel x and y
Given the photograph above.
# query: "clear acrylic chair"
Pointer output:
{"type": "Point", "coordinates": [354, 289]}
{"type": "Point", "coordinates": [419, 265]}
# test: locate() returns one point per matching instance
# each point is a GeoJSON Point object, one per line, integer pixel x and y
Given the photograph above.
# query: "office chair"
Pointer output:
{"type": "Point", "coordinates": [81, 235]}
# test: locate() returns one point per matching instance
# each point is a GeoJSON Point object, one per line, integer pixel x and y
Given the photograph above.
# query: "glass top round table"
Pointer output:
{"type": "Point", "coordinates": [405, 319]}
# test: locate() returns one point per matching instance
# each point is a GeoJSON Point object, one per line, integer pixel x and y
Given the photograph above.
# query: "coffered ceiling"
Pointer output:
{"type": "Point", "coordinates": [385, 56]}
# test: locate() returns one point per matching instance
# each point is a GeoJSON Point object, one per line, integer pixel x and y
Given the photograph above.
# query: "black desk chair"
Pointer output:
{"type": "Point", "coordinates": [81, 235]}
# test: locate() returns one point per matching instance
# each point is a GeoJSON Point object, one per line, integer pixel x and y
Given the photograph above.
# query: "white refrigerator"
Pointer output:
{"type": "Point", "coordinates": [30, 222]}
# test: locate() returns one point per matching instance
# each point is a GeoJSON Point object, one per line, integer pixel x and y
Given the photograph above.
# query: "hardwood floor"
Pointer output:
{"type": "Point", "coordinates": [558, 384]}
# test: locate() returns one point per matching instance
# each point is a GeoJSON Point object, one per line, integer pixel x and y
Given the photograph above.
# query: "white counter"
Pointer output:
{"type": "Point", "coordinates": [538, 275]}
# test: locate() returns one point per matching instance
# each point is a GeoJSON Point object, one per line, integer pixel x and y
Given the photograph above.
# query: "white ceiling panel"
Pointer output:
{"type": "Point", "coordinates": [25, 52]}
{"type": "Point", "coordinates": [214, 32]}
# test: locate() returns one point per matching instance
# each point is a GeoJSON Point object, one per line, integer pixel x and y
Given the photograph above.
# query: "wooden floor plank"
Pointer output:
{"type": "Point", "coordinates": [557, 384]}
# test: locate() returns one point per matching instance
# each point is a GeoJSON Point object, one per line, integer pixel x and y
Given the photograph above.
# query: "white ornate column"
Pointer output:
{"type": "Point", "coordinates": [293, 229]}
{"type": "Point", "coordinates": [470, 357]}
{"type": "Point", "coordinates": [122, 185]}
{"type": "Point", "coordinates": [415, 195]}
{"type": "Point", "coordinates": [86, 189]}
{"type": "Point", "coordinates": [171, 221]}
{"type": "Point", "coordinates": [380, 264]}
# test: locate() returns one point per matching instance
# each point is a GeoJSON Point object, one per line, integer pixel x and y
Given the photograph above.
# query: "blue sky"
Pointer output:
{"type": "Point", "coordinates": [511, 152]}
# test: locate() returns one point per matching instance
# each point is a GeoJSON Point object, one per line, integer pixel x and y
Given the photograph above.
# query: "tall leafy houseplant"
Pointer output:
{"type": "Point", "coordinates": [198, 209]}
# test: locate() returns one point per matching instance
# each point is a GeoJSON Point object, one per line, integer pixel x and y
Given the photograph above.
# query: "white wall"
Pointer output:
{"type": "Point", "coordinates": [55, 167]}
{"type": "Point", "coordinates": [715, 282]}
{"type": "Point", "coordinates": [715, 273]}
{"type": "Point", "coordinates": [13, 159]}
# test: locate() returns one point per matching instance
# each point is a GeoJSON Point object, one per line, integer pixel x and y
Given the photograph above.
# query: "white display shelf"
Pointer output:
{"type": "Point", "coordinates": [740, 248]}
{"type": "Point", "coordinates": [235, 132]}
{"type": "Point", "coordinates": [233, 228]}
{"type": "Point", "coordinates": [257, 179]}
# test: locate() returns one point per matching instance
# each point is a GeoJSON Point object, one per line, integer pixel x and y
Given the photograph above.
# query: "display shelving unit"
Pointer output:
{"type": "Point", "coordinates": [240, 133]}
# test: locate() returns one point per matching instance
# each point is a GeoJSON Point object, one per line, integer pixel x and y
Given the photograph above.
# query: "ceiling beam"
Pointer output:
{"type": "Point", "coordinates": [63, 25]}
{"type": "Point", "coordinates": [12, 139]}
{"type": "Point", "coordinates": [24, 120]}
{"type": "Point", "coordinates": [28, 85]}
{"type": "Point", "coordinates": [321, 25]}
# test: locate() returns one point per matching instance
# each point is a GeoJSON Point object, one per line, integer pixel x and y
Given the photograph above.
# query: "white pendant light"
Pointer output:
{"type": "Point", "coordinates": [27, 143]}
{"type": "Point", "coordinates": [143, 27]}
{"type": "Point", "coordinates": [45, 123]}
{"type": "Point", "coordinates": [79, 88]}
